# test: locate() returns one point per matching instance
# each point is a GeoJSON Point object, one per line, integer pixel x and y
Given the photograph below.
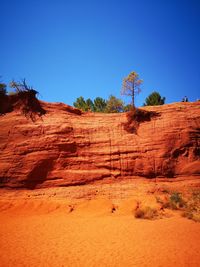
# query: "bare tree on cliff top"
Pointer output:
{"type": "Point", "coordinates": [131, 86]}
{"type": "Point", "coordinates": [21, 87]}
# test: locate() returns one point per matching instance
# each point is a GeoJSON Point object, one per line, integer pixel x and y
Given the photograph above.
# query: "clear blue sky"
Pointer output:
{"type": "Point", "coordinates": [69, 48]}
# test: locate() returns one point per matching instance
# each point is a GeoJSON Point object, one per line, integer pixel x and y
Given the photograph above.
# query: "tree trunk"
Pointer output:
{"type": "Point", "coordinates": [133, 96]}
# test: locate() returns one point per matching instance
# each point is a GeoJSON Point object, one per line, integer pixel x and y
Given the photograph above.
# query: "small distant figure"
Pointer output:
{"type": "Point", "coordinates": [185, 99]}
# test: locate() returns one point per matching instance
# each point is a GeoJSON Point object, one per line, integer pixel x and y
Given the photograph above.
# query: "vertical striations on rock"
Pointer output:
{"type": "Point", "coordinates": [65, 147]}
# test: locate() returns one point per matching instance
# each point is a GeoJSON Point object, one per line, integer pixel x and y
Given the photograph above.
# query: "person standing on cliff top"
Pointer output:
{"type": "Point", "coordinates": [185, 99]}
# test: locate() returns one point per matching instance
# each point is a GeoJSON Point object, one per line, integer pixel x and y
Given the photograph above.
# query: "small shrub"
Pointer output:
{"type": "Point", "coordinates": [176, 198]}
{"type": "Point", "coordinates": [175, 201]}
{"type": "Point", "coordinates": [25, 99]}
{"type": "Point", "coordinates": [192, 209]}
{"type": "Point", "coordinates": [136, 116]}
{"type": "Point", "coordinates": [146, 213]}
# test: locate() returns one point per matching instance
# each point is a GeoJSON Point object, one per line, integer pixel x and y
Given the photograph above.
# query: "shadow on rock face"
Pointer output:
{"type": "Point", "coordinates": [38, 174]}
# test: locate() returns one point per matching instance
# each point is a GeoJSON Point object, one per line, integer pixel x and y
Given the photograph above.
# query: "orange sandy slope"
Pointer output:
{"type": "Point", "coordinates": [44, 228]}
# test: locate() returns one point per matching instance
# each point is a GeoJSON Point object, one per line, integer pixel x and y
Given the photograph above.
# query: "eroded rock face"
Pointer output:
{"type": "Point", "coordinates": [65, 147]}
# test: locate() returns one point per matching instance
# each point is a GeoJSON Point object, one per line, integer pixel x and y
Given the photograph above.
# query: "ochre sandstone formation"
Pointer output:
{"type": "Point", "coordinates": [66, 147]}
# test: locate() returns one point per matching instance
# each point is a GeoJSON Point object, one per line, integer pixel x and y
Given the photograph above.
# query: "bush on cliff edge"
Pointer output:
{"type": "Point", "coordinates": [136, 116]}
{"type": "Point", "coordinates": [24, 99]}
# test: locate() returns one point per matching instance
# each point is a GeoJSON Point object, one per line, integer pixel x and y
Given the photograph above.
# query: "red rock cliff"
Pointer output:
{"type": "Point", "coordinates": [65, 147]}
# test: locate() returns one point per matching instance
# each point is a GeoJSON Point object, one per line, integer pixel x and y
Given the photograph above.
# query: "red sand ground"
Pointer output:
{"type": "Point", "coordinates": [77, 226]}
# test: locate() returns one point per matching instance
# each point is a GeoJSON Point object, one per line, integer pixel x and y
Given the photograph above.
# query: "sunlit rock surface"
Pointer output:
{"type": "Point", "coordinates": [65, 147]}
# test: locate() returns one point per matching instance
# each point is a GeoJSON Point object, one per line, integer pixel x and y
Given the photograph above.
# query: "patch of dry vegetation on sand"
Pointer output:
{"type": "Point", "coordinates": [188, 203]}
{"type": "Point", "coordinates": [192, 210]}
{"type": "Point", "coordinates": [146, 213]}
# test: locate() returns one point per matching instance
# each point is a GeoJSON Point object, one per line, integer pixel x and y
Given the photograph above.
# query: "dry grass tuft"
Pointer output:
{"type": "Point", "coordinates": [175, 201]}
{"type": "Point", "coordinates": [192, 210]}
{"type": "Point", "coordinates": [146, 213]}
{"type": "Point", "coordinates": [190, 205]}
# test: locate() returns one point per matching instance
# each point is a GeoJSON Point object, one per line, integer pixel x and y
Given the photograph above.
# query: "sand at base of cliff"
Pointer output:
{"type": "Point", "coordinates": [43, 233]}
